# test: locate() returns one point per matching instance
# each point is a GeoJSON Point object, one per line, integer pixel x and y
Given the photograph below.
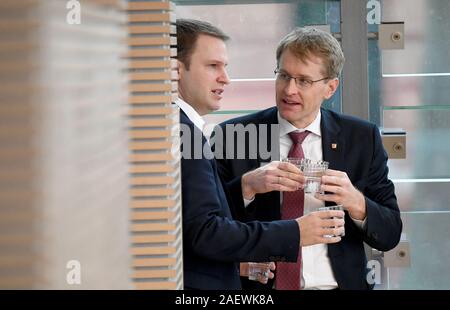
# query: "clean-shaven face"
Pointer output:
{"type": "Point", "coordinates": [202, 86]}
{"type": "Point", "coordinates": [298, 106]}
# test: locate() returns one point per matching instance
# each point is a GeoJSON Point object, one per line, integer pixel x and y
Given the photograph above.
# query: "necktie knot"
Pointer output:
{"type": "Point", "coordinates": [298, 137]}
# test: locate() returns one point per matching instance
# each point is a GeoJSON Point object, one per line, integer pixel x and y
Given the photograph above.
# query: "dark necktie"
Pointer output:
{"type": "Point", "coordinates": [288, 275]}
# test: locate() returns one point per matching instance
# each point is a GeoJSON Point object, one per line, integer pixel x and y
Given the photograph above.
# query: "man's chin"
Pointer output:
{"type": "Point", "coordinates": [288, 114]}
{"type": "Point", "coordinates": [214, 107]}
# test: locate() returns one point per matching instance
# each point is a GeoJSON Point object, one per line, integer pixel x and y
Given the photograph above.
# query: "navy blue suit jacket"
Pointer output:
{"type": "Point", "coordinates": [359, 152]}
{"type": "Point", "coordinates": [213, 243]}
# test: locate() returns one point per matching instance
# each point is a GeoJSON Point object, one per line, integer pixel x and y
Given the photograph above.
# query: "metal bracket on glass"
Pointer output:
{"type": "Point", "coordinates": [394, 142]}
{"type": "Point", "coordinates": [400, 256]}
{"type": "Point", "coordinates": [391, 36]}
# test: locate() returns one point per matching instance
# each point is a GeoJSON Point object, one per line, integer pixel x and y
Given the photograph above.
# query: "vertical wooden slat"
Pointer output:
{"type": "Point", "coordinates": [155, 178]}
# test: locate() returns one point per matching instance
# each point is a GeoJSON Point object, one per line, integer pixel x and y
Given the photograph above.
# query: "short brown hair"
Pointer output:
{"type": "Point", "coordinates": [304, 42]}
{"type": "Point", "coordinates": [188, 31]}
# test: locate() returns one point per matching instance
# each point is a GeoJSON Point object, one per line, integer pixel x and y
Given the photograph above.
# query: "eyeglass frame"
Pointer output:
{"type": "Point", "coordinates": [310, 83]}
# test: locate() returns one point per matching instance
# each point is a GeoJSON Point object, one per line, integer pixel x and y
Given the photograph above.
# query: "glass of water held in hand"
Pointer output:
{"type": "Point", "coordinates": [328, 208]}
{"type": "Point", "coordinates": [258, 271]}
{"type": "Point", "coordinates": [313, 170]}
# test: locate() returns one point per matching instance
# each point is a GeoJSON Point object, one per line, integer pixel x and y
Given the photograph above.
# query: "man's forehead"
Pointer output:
{"type": "Point", "coordinates": [309, 60]}
{"type": "Point", "coordinates": [304, 58]}
{"type": "Point", "coordinates": [213, 50]}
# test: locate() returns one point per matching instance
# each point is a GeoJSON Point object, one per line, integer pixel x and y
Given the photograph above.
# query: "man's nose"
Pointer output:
{"type": "Point", "coordinates": [224, 78]}
{"type": "Point", "coordinates": [291, 87]}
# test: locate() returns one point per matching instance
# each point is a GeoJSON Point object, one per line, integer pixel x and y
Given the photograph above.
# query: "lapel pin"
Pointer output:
{"type": "Point", "coordinates": [334, 146]}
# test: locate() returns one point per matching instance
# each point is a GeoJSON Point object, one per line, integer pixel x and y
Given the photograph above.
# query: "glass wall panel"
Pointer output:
{"type": "Point", "coordinates": [421, 195]}
{"type": "Point", "coordinates": [414, 96]}
{"type": "Point", "coordinates": [427, 147]}
{"type": "Point", "coordinates": [427, 37]}
{"type": "Point", "coordinates": [428, 237]}
{"type": "Point", "coordinates": [255, 28]}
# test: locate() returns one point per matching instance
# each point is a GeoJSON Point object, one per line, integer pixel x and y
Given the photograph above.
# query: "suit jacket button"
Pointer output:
{"type": "Point", "coordinates": [375, 235]}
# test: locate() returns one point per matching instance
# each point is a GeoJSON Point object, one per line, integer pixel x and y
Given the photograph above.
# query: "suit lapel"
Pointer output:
{"type": "Point", "coordinates": [333, 147]}
{"type": "Point", "coordinates": [208, 155]}
{"type": "Point", "coordinates": [333, 143]}
{"type": "Point", "coordinates": [272, 134]}
{"type": "Point", "coordinates": [273, 146]}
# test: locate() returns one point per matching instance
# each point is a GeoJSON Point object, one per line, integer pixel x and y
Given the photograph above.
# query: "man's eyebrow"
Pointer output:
{"type": "Point", "coordinates": [217, 61]}
{"type": "Point", "coordinates": [297, 76]}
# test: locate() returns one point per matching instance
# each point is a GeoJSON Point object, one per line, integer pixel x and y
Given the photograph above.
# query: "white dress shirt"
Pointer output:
{"type": "Point", "coordinates": [198, 121]}
{"type": "Point", "coordinates": [317, 273]}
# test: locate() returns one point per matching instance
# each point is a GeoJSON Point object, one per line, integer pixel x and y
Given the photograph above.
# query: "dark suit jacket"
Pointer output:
{"type": "Point", "coordinates": [213, 243]}
{"type": "Point", "coordinates": [360, 154]}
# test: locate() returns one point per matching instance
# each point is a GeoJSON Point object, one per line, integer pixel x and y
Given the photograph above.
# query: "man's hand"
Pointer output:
{"type": "Point", "coordinates": [244, 272]}
{"type": "Point", "coordinates": [276, 176]}
{"type": "Point", "coordinates": [315, 225]}
{"type": "Point", "coordinates": [342, 192]}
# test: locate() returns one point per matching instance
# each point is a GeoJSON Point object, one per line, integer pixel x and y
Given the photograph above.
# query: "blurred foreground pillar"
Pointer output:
{"type": "Point", "coordinates": [64, 216]}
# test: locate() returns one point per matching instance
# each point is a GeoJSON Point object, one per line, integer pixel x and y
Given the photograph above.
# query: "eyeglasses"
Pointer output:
{"type": "Point", "coordinates": [301, 83]}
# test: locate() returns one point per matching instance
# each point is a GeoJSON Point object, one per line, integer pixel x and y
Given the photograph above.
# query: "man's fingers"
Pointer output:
{"type": "Point", "coordinates": [325, 197]}
{"type": "Point", "coordinates": [336, 222]}
{"type": "Point", "coordinates": [335, 173]}
{"type": "Point", "coordinates": [330, 239]}
{"type": "Point", "coordinates": [330, 213]}
{"type": "Point", "coordinates": [289, 171]}
{"type": "Point", "coordinates": [285, 172]}
{"type": "Point", "coordinates": [332, 231]}
{"type": "Point", "coordinates": [331, 189]}
{"type": "Point", "coordinates": [289, 183]}
{"type": "Point", "coordinates": [332, 180]}
{"type": "Point", "coordinates": [292, 176]}
{"type": "Point", "coordinates": [340, 231]}
{"type": "Point", "coordinates": [288, 167]}
{"type": "Point", "coordinates": [280, 183]}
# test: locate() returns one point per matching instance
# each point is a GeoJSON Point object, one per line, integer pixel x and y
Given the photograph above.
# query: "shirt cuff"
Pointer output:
{"type": "Point", "coordinates": [359, 223]}
{"type": "Point", "coordinates": [248, 201]}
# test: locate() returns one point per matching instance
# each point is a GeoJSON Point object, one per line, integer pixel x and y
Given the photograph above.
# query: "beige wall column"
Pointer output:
{"type": "Point", "coordinates": [64, 220]}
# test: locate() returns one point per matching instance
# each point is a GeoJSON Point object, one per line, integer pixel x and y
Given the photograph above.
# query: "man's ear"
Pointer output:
{"type": "Point", "coordinates": [180, 68]}
{"type": "Point", "coordinates": [332, 86]}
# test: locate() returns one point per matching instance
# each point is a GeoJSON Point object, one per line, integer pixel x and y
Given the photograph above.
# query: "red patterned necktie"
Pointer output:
{"type": "Point", "coordinates": [289, 274]}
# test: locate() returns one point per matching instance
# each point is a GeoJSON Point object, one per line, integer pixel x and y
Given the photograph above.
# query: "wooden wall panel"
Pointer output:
{"type": "Point", "coordinates": [154, 145]}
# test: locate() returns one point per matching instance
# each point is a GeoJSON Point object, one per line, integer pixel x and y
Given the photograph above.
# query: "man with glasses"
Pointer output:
{"type": "Point", "coordinates": [309, 62]}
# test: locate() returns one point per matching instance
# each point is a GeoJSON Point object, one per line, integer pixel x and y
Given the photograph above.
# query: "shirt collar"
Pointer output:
{"type": "Point", "coordinates": [286, 127]}
{"type": "Point", "coordinates": [198, 121]}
